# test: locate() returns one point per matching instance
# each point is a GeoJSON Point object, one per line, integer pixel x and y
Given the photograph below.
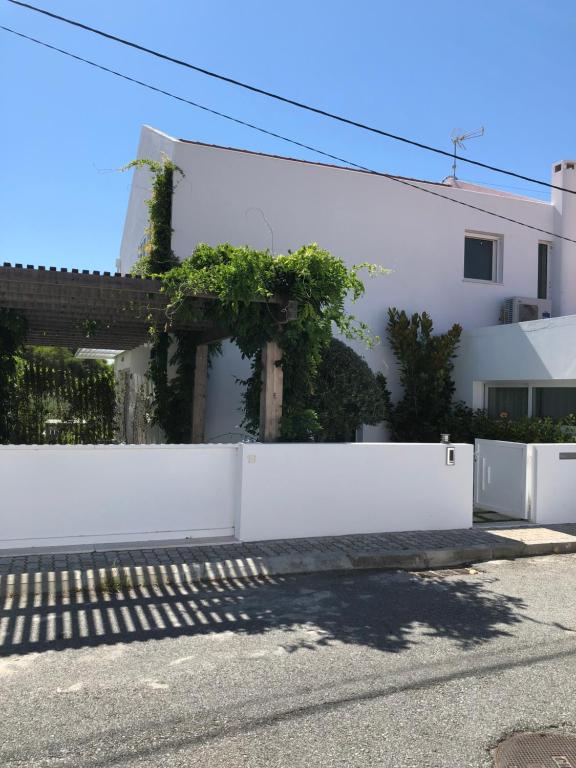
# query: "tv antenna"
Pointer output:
{"type": "Point", "coordinates": [458, 140]}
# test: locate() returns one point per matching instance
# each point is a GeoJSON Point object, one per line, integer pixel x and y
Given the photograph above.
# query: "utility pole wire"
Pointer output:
{"type": "Point", "coordinates": [355, 166]}
{"type": "Point", "coordinates": [285, 99]}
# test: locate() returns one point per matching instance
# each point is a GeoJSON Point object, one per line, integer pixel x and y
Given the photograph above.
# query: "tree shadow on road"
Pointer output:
{"type": "Point", "coordinates": [387, 611]}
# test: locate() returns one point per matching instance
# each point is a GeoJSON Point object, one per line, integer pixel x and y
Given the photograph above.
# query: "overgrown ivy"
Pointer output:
{"type": "Point", "coordinates": [172, 399]}
{"type": "Point", "coordinates": [245, 280]}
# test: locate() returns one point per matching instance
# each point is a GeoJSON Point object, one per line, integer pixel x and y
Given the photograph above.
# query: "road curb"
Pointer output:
{"type": "Point", "coordinates": [92, 583]}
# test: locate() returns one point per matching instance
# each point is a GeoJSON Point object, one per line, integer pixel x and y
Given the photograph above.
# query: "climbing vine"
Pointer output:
{"type": "Point", "coordinates": [245, 281]}
{"type": "Point", "coordinates": [172, 398]}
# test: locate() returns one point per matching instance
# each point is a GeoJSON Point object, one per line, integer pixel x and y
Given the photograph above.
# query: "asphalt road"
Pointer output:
{"type": "Point", "coordinates": [370, 669]}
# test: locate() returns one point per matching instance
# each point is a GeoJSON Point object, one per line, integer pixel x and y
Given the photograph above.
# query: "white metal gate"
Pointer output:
{"type": "Point", "coordinates": [500, 477]}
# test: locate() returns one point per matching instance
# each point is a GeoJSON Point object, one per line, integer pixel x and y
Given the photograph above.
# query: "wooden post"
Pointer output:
{"type": "Point", "coordinates": [271, 395]}
{"type": "Point", "coordinates": [199, 399]}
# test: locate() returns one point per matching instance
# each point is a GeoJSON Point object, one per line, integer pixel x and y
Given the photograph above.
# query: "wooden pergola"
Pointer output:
{"type": "Point", "coordinates": [78, 308]}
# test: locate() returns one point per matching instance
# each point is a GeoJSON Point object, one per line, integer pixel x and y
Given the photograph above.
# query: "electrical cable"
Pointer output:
{"type": "Point", "coordinates": [355, 166]}
{"type": "Point", "coordinates": [285, 99]}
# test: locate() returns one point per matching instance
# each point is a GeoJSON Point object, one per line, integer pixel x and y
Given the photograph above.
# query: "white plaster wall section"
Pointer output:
{"type": "Point", "coordinates": [358, 217]}
{"type": "Point", "coordinates": [96, 494]}
{"type": "Point", "coordinates": [554, 483]}
{"type": "Point", "coordinates": [303, 490]}
{"type": "Point", "coordinates": [536, 351]}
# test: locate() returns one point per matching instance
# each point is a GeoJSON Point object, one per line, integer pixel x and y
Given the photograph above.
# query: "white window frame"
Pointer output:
{"type": "Point", "coordinates": [497, 256]}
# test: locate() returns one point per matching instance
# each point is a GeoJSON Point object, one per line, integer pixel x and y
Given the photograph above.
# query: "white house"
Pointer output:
{"type": "Point", "coordinates": [457, 263]}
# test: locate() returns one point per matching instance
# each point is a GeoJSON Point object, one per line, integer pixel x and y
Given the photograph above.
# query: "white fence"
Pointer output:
{"type": "Point", "coordinates": [62, 495]}
{"type": "Point", "coordinates": [536, 482]}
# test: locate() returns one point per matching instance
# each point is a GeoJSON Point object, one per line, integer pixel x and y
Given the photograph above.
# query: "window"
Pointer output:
{"type": "Point", "coordinates": [542, 270]}
{"type": "Point", "coordinates": [556, 402]}
{"type": "Point", "coordinates": [510, 402]}
{"type": "Point", "coordinates": [517, 402]}
{"type": "Point", "coordinates": [481, 258]}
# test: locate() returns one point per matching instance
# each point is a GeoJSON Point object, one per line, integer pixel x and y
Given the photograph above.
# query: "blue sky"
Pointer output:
{"type": "Point", "coordinates": [416, 68]}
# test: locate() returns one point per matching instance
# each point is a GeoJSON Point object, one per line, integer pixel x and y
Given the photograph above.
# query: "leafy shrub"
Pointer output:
{"type": "Point", "coordinates": [347, 395]}
{"type": "Point", "coordinates": [465, 424]}
{"type": "Point", "coordinates": [425, 368]}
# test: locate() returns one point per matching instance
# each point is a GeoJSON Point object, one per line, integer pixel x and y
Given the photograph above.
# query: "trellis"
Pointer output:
{"type": "Point", "coordinates": [78, 308]}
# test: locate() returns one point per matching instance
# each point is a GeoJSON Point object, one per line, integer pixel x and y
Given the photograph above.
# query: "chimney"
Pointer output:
{"type": "Point", "coordinates": [563, 256]}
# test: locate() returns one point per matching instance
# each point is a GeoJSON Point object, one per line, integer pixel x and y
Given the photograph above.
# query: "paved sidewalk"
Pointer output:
{"type": "Point", "coordinates": [61, 573]}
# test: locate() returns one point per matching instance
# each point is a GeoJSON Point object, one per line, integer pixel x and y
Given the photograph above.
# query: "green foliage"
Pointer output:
{"type": "Point", "coordinates": [465, 424]}
{"type": "Point", "coordinates": [172, 399]}
{"type": "Point", "coordinates": [12, 335]}
{"type": "Point", "coordinates": [239, 277]}
{"type": "Point", "coordinates": [157, 255]}
{"type": "Point", "coordinates": [347, 394]}
{"type": "Point", "coordinates": [68, 402]}
{"type": "Point", "coordinates": [425, 368]}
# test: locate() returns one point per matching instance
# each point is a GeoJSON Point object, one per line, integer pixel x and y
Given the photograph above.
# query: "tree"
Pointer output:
{"type": "Point", "coordinates": [348, 394]}
{"type": "Point", "coordinates": [425, 367]}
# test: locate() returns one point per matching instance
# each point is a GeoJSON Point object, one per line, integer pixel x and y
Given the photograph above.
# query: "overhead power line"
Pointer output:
{"type": "Point", "coordinates": [285, 99]}
{"type": "Point", "coordinates": [309, 147]}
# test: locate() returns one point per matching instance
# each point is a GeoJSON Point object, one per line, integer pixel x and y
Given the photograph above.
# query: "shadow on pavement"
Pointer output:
{"type": "Point", "coordinates": [385, 611]}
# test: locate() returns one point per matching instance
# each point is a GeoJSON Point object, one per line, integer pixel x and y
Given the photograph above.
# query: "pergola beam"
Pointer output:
{"type": "Point", "coordinates": [83, 309]}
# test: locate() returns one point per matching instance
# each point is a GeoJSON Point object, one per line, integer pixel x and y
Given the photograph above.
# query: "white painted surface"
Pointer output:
{"type": "Point", "coordinates": [528, 480]}
{"type": "Point", "coordinates": [55, 495]}
{"type": "Point", "coordinates": [500, 477]}
{"type": "Point", "coordinates": [84, 495]}
{"type": "Point", "coordinates": [554, 484]}
{"type": "Point", "coordinates": [239, 197]}
{"type": "Point", "coordinates": [537, 351]}
{"type": "Point", "coordinates": [330, 490]}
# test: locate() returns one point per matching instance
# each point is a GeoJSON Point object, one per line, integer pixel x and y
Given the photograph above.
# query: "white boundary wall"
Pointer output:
{"type": "Point", "coordinates": [58, 494]}
{"type": "Point", "coordinates": [70, 495]}
{"type": "Point", "coordinates": [534, 481]}
{"type": "Point", "coordinates": [330, 490]}
{"type": "Point", "coordinates": [554, 483]}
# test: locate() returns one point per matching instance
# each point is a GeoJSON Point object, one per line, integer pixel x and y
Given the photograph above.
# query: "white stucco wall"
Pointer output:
{"type": "Point", "coordinates": [535, 481]}
{"type": "Point", "coordinates": [554, 483]}
{"type": "Point", "coordinates": [280, 204]}
{"type": "Point", "coordinates": [537, 351]}
{"type": "Point", "coordinates": [85, 494]}
{"type": "Point", "coordinates": [319, 490]}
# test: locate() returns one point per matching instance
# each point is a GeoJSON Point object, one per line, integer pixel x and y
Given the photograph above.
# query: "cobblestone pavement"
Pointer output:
{"type": "Point", "coordinates": [369, 544]}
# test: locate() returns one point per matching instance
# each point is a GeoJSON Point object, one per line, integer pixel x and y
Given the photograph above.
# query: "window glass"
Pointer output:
{"type": "Point", "coordinates": [509, 402]}
{"type": "Point", "coordinates": [542, 271]}
{"type": "Point", "coordinates": [479, 258]}
{"type": "Point", "coordinates": [555, 402]}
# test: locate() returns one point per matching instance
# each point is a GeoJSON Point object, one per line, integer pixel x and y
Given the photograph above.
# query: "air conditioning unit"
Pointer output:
{"type": "Point", "coordinates": [520, 309]}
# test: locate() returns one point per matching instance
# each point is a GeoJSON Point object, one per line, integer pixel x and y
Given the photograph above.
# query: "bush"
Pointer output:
{"type": "Point", "coordinates": [348, 394]}
{"type": "Point", "coordinates": [425, 368]}
{"type": "Point", "coordinates": [465, 424]}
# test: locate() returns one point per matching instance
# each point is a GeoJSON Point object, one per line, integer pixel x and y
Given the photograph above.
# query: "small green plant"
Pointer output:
{"type": "Point", "coordinates": [115, 581]}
